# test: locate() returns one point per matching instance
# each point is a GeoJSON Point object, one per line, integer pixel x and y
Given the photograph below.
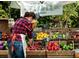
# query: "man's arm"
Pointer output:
{"type": "Point", "coordinates": [28, 27]}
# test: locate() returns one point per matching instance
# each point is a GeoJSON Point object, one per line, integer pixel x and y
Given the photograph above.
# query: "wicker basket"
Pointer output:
{"type": "Point", "coordinates": [60, 54]}
{"type": "Point", "coordinates": [35, 53]}
{"type": "Point", "coordinates": [4, 53]}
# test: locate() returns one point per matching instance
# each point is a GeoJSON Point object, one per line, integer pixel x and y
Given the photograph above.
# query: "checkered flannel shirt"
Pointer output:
{"type": "Point", "coordinates": [22, 26]}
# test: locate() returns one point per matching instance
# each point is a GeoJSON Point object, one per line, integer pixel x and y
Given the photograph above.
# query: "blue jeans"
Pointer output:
{"type": "Point", "coordinates": [18, 52]}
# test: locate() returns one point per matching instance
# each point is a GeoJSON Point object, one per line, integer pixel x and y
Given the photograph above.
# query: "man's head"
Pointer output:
{"type": "Point", "coordinates": [30, 15]}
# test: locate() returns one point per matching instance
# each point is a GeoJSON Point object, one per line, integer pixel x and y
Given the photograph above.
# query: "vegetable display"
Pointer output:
{"type": "Point", "coordinates": [74, 35]}
{"type": "Point", "coordinates": [36, 46]}
{"type": "Point", "coordinates": [53, 45]}
{"type": "Point", "coordinates": [41, 36]}
{"type": "Point", "coordinates": [66, 46]}
{"type": "Point", "coordinates": [3, 45]}
{"type": "Point", "coordinates": [58, 35]}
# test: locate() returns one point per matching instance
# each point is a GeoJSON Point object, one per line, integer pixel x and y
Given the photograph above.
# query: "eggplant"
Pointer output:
{"type": "Point", "coordinates": [1, 47]}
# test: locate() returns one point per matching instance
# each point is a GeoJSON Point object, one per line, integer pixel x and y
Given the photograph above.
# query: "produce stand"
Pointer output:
{"type": "Point", "coordinates": [49, 36]}
{"type": "Point", "coordinates": [61, 53]}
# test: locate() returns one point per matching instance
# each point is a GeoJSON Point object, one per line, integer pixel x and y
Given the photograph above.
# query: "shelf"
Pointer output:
{"type": "Point", "coordinates": [57, 40]}
{"type": "Point", "coordinates": [46, 53]}
{"type": "Point", "coordinates": [1, 19]}
{"type": "Point", "coordinates": [76, 44]}
{"type": "Point", "coordinates": [76, 39]}
{"type": "Point", "coordinates": [61, 39]}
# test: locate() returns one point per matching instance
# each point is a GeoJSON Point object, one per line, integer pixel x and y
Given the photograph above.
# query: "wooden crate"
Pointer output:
{"type": "Point", "coordinates": [76, 53]}
{"type": "Point", "coordinates": [35, 53]}
{"type": "Point", "coordinates": [73, 29]}
{"type": "Point", "coordinates": [60, 54]}
{"type": "Point", "coordinates": [4, 25]}
{"type": "Point", "coordinates": [4, 53]}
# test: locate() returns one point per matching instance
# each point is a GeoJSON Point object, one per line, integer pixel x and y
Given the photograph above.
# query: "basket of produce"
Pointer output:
{"type": "Point", "coordinates": [3, 49]}
{"type": "Point", "coordinates": [60, 49]}
{"type": "Point", "coordinates": [41, 35]}
{"type": "Point", "coordinates": [58, 35]}
{"type": "Point", "coordinates": [60, 45]}
{"type": "Point", "coordinates": [66, 45]}
{"type": "Point", "coordinates": [3, 45]}
{"type": "Point", "coordinates": [37, 50]}
{"type": "Point", "coordinates": [53, 45]}
{"type": "Point", "coordinates": [74, 35]}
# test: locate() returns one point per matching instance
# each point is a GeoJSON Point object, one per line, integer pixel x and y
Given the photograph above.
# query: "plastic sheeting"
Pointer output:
{"type": "Point", "coordinates": [46, 8]}
{"type": "Point", "coordinates": [49, 8]}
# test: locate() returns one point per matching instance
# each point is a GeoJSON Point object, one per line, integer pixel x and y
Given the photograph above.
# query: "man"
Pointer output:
{"type": "Point", "coordinates": [22, 27]}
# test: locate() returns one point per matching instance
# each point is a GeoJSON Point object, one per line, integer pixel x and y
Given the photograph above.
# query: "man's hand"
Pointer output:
{"type": "Point", "coordinates": [30, 42]}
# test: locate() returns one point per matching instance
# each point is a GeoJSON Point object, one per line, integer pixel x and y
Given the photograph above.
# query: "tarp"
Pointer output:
{"type": "Point", "coordinates": [45, 8]}
{"type": "Point", "coordinates": [48, 8]}
{"type": "Point", "coordinates": [14, 4]}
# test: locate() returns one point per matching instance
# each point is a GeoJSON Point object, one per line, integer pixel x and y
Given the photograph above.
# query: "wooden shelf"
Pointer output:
{"type": "Point", "coordinates": [47, 54]}
{"type": "Point", "coordinates": [61, 39]}
{"type": "Point", "coordinates": [4, 54]}
{"type": "Point", "coordinates": [3, 19]}
{"type": "Point", "coordinates": [58, 40]}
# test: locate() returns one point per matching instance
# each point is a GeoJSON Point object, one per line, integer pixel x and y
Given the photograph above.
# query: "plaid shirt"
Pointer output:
{"type": "Point", "coordinates": [22, 26]}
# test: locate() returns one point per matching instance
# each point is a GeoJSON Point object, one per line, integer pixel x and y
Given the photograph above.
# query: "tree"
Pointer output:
{"type": "Point", "coordinates": [68, 11]}
{"type": "Point", "coordinates": [4, 9]}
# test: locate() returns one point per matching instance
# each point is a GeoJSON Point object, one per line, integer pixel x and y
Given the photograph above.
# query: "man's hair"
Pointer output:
{"type": "Point", "coordinates": [30, 14]}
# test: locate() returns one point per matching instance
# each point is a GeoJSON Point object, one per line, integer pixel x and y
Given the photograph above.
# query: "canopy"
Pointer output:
{"type": "Point", "coordinates": [42, 8]}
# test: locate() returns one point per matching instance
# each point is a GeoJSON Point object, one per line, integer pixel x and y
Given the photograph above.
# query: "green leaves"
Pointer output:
{"type": "Point", "coordinates": [4, 10]}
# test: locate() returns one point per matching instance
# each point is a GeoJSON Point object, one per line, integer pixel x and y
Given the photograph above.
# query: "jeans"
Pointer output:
{"type": "Point", "coordinates": [18, 52]}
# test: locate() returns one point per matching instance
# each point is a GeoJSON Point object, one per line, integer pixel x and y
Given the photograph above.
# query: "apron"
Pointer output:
{"type": "Point", "coordinates": [24, 44]}
{"type": "Point", "coordinates": [18, 46]}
